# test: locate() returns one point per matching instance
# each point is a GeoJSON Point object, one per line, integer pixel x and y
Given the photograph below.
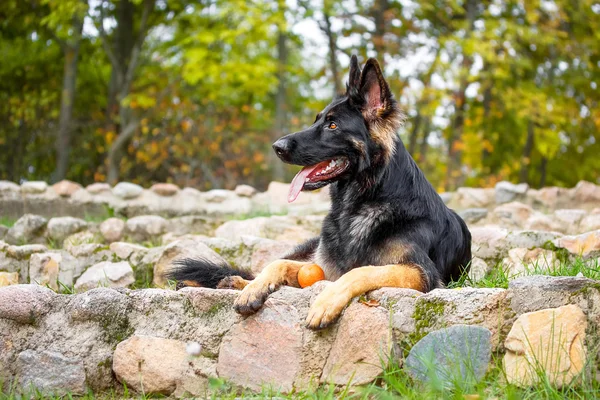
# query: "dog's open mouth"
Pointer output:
{"type": "Point", "coordinates": [321, 172]}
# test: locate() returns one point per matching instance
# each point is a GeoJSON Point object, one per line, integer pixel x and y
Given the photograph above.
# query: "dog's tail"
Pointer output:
{"type": "Point", "coordinates": [201, 272]}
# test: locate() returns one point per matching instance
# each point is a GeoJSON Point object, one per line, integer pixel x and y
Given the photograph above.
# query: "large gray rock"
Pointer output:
{"type": "Point", "coordinates": [29, 228]}
{"type": "Point", "coordinates": [506, 192]}
{"type": "Point", "coordinates": [458, 355]}
{"type": "Point", "coordinates": [51, 373]}
{"type": "Point", "coordinates": [569, 219]}
{"type": "Point", "coordinates": [59, 228]}
{"type": "Point", "coordinates": [106, 274]}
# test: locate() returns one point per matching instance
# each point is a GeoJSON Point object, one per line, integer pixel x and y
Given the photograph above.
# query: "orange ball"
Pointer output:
{"type": "Point", "coordinates": [309, 274]}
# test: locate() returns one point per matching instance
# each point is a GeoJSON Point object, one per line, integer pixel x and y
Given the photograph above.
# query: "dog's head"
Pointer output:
{"type": "Point", "coordinates": [353, 133]}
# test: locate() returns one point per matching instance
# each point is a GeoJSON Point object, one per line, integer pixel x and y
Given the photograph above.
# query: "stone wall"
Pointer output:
{"type": "Point", "coordinates": [161, 341]}
{"type": "Point", "coordinates": [93, 309]}
{"type": "Point", "coordinates": [129, 200]}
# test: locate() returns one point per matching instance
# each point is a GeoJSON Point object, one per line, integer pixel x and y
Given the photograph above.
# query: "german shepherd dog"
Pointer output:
{"type": "Point", "coordinates": [387, 226]}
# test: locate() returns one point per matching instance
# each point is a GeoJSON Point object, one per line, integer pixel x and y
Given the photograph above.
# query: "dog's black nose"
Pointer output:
{"type": "Point", "coordinates": [282, 147]}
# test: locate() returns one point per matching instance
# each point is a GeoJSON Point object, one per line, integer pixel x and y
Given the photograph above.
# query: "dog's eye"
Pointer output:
{"type": "Point", "coordinates": [332, 125]}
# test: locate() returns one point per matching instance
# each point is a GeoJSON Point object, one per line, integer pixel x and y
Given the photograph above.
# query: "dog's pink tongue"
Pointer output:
{"type": "Point", "coordinates": [298, 182]}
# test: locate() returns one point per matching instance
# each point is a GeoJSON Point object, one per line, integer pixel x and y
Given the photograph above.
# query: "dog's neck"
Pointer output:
{"type": "Point", "coordinates": [388, 178]}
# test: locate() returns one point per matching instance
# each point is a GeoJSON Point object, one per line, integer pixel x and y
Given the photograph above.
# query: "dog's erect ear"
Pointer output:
{"type": "Point", "coordinates": [353, 84]}
{"type": "Point", "coordinates": [374, 91]}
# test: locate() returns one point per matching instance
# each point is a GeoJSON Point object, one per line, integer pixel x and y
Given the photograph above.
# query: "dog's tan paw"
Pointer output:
{"type": "Point", "coordinates": [327, 308]}
{"type": "Point", "coordinates": [253, 297]}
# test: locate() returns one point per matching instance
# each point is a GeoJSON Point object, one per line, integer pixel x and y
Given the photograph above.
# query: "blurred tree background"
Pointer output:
{"type": "Point", "coordinates": [194, 92]}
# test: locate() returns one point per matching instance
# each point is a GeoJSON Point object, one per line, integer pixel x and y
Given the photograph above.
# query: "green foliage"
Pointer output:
{"type": "Point", "coordinates": [500, 90]}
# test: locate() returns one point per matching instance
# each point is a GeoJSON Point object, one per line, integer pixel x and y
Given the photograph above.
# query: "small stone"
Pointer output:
{"type": "Point", "coordinates": [245, 190]}
{"type": "Point", "coordinates": [66, 188]}
{"type": "Point", "coordinates": [216, 195]}
{"type": "Point", "coordinates": [9, 278]}
{"type": "Point", "coordinates": [34, 187]}
{"type": "Point", "coordinates": [478, 269]}
{"type": "Point", "coordinates": [513, 214]}
{"type": "Point", "coordinates": [10, 190]}
{"type": "Point", "coordinates": [586, 192]}
{"type": "Point", "coordinates": [550, 341]}
{"type": "Point", "coordinates": [506, 192]}
{"type": "Point", "coordinates": [126, 190]}
{"type": "Point", "coordinates": [153, 365]}
{"type": "Point", "coordinates": [26, 229]}
{"type": "Point", "coordinates": [590, 223]}
{"type": "Point", "coordinates": [51, 373]}
{"type": "Point", "coordinates": [44, 268]}
{"type": "Point", "coordinates": [473, 198]}
{"type": "Point", "coordinates": [165, 189]}
{"type": "Point", "coordinates": [23, 252]}
{"type": "Point", "coordinates": [73, 244]}
{"type": "Point", "coordinates": [522, 261]}
{"type": "Point", "coordinates": [106, 274]}
{"type": "Point", "coordinates": [488, 242]}
{"type": "Point", "coordinates": [145, 227]}
{"type": "Point", "coordinates": [586, 245]}
{"type": "Point", "coordinates": [25, 303]}
{"type": "Point", "coordinates": [125, 250]}
{"type": "Point", "coordinates": [112, 229]}
{"type": "Point", "coordinates": [473, 215]}
{"type": "Point", "coordinates": [59, 228]}
{"type": "Point", "coordinates": [186, 248]}
{"type": "Point", "coordinates": [98, 187]}
{"type": "Point", "coordinates": [193, 349]}
{"type": "Point", "coordinates": [542, 222]}
{"type": "Point", "coordinates": [569, 219]}
{"type": "Point", "coordinates": [459, 354]}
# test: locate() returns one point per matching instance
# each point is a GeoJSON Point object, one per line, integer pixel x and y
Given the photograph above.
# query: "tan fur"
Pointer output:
{"type": "Point", "coordinates": [274, 275]}
{"type": "Point", "coordinates": [329, 304]}
{"type": "Point", "coordinates": [384, 130]}
{"type": "Point", "coordinates": [233, 282]}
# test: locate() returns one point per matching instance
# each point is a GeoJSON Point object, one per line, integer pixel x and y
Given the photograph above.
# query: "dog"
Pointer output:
{"type": "Point", "coordinates": [387, 226]}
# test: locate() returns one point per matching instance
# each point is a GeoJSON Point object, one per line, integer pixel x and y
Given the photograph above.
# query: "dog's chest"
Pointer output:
{"type": "Point", "coordinates": [348, 239]}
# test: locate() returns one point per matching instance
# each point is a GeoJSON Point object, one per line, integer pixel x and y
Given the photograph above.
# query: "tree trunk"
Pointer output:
{"type": "Point", "coordinates": [124, 58]}
{"type": "Point", "coordinates": [543, 166]}
{"type": "Point", "coordinates": [332, 42]}
{"type": "Point", "coordinates": [454, 154]}
{"type": "Point", "coordinates": [412, 141]}
{"type": "Point", "coordinates": [280, 106]}
{"type": "Point", "coordinates": [425, 144]}
{"type": "Point", "coordinates": [63, 139]}
{"type": "Point", "coordinates": [527, 150]}
{"type": "Point", "coordinates": [379, 9]}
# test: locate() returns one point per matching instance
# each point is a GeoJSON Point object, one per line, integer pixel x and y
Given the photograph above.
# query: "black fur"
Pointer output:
{"type": "Point", "coordinates": [204, 272]}
{"type": "Point", "coordinates": [383, 209]}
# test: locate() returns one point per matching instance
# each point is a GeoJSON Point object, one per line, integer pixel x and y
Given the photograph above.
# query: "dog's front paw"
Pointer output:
{"type": "Point", "coordinates": [253, 297]}
{"type": "Point", "coordinates": [327, 308]}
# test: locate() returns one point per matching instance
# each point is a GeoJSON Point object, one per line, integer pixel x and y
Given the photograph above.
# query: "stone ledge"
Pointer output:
{"type": "Point", "coordinates": [110, 330]}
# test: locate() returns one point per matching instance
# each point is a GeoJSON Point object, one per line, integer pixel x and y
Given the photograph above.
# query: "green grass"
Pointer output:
{"type": "Point", "coordinates": [7, 221]}
{"type": "Point", "coordinates": [499, 276]}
